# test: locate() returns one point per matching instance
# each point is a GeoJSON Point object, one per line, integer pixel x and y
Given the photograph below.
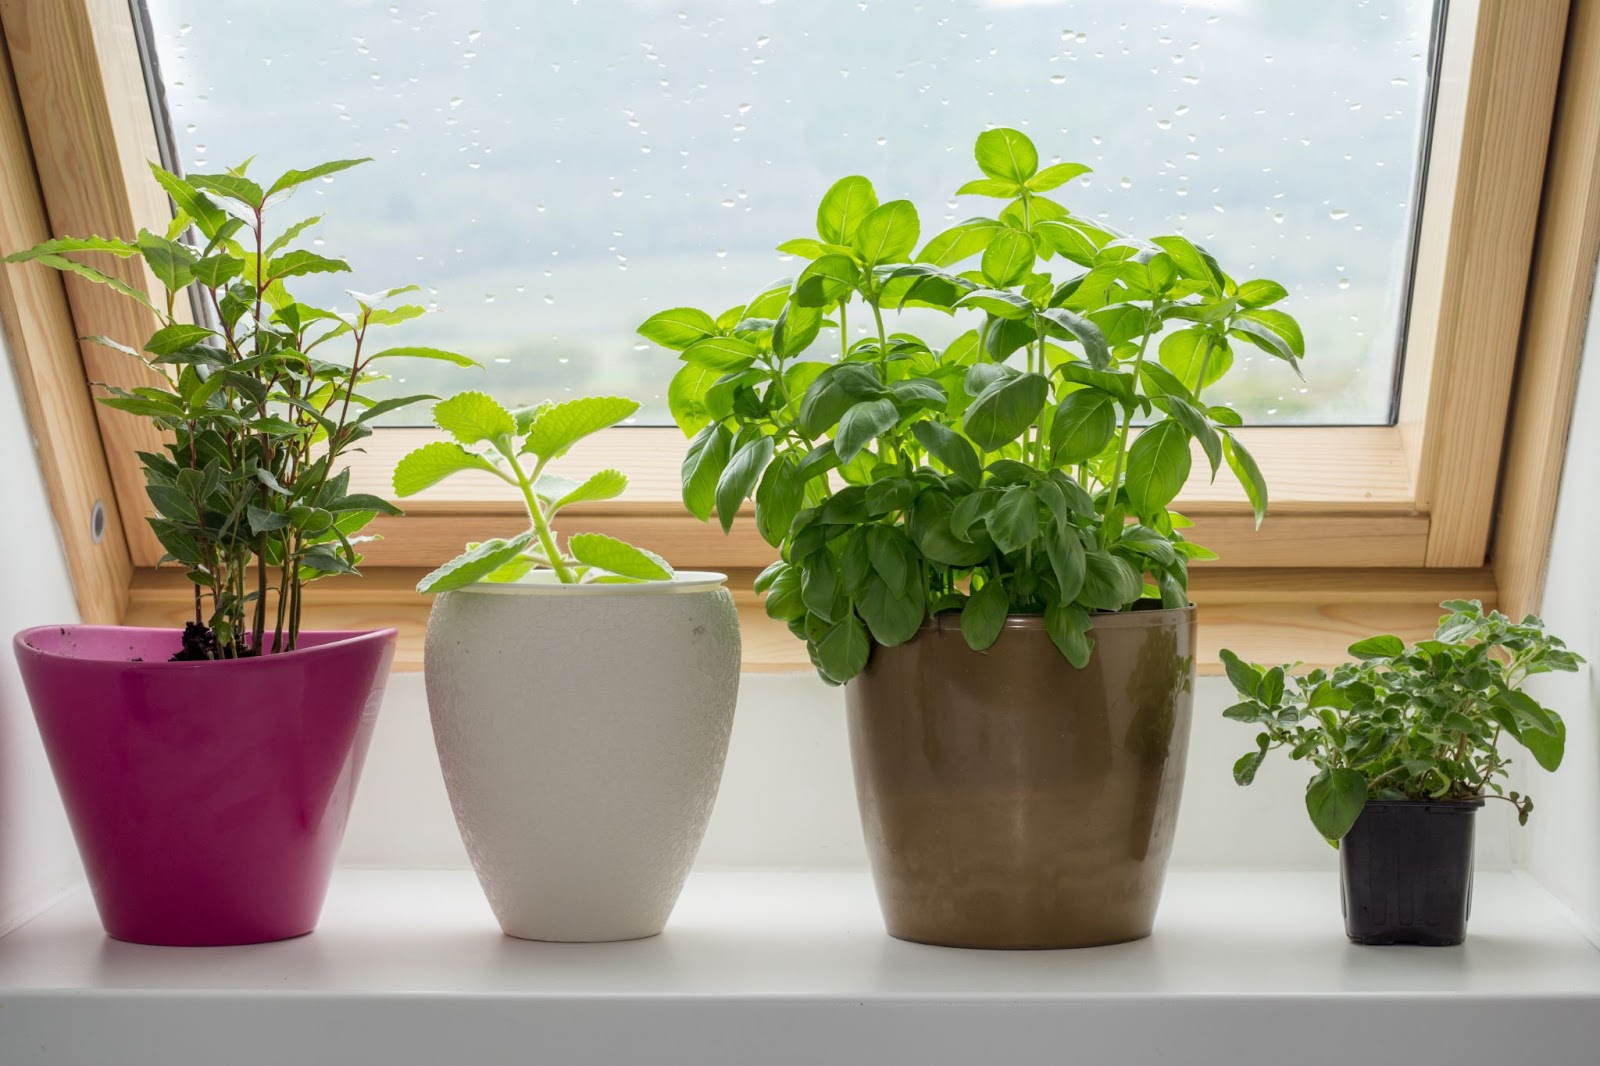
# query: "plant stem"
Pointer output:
{"type": "Point", "coordinates": [1127, 422]}
{"type": "Point", "coordinates": [844, 329]}
{"type": "Point", "coordinates": [883, 338]}
{"type": "Point", "coordinates": [541, 527]}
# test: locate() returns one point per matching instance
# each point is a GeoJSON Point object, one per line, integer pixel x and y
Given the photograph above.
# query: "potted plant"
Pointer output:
{"type": "Point", "coordinates": [1407, 747]}
{"type": "Point", "coordinates": [974, 538]}
{"type": "Point", "coordinates": [581, 696]}
{"type": "Point", "coordinates": [208, 774]}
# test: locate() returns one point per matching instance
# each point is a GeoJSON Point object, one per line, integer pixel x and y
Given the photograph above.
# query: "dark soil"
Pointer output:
{"type": "Point", "coordinates": [199, 644]}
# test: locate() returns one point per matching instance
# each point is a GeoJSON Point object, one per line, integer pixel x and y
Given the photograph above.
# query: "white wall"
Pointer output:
{"type": "Point", "coordinates": [788, 797]}
{"type": "Point", "coordinates": [1561, 844]}
{"type": "Point", "coordinates": [37, 859]}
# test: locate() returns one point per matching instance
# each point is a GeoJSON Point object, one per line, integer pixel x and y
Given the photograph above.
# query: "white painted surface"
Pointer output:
{"type": "Point", "coordinates": [582, 732]}
{"type": "Point", "coordinates": [794, 968]}
{"type": "Point", "coordinates": [1561, 843]}
{"type": "Point", "coordinates": [37, 858]}
{"type": "Point", "coordinates": [788, 795]}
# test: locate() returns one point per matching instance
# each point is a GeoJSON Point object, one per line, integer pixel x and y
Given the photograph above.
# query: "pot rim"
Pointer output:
{"type": "Point", "coordinates": [543, 583]}
{"type": "Point", "coordinates": [1139, 618]}
{"type": "Point", "coordinates": [1452, 805]}
{"type": "Point", "coordinates": [339, 638]}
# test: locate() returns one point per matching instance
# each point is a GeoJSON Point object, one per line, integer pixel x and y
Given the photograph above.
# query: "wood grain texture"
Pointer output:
{"type": "Point", "coordinates": [1264, 615]}
{"type": "Point", "coordinates": [55, 393]}
{"type": "Point", "coordinates": [1555, 325]}
{"type": "Point", "coordinates": [83, 95]}
{"type": "Point", "coordinates": [1462, 349]}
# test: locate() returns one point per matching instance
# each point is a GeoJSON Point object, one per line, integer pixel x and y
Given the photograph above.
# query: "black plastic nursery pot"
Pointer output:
{"type": "Point", "coordinates": [1405, 871]}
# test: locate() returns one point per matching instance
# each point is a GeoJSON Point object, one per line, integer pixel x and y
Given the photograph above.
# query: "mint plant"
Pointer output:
{"type": "Point", "coordinates": [257, 408]}
{"type": "Point", "coordinates": [1002, 473]}
{"type": "Point", "coordinates": [516, 447]}
{"type": "Point", "coordinates": [1420, 723]}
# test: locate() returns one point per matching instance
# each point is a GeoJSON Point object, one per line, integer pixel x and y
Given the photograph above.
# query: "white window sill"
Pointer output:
{"type": "Point", "coordinates": [777, 968]}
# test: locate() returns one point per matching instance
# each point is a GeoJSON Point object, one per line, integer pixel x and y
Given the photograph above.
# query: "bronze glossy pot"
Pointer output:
{"type": "Point", "coordinates": [1010, 800]}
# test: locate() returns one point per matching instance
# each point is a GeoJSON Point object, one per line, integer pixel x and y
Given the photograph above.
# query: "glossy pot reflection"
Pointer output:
{"type": "Point", "coordinates": [1010, 800]}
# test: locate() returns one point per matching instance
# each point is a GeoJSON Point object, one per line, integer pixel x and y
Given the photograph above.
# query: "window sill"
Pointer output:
{"type": "Point", "coordinates": [794, 967]}
{"type": "Point", "coordinates": [1266, 615]}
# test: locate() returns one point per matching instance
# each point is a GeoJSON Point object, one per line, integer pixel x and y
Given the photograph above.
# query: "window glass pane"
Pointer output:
{"type": "Point", "coordinates": [552, 173]}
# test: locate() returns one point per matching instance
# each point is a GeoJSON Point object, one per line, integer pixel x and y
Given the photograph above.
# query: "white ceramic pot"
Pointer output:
{"type": "Point", "coordinates": [582, 730]}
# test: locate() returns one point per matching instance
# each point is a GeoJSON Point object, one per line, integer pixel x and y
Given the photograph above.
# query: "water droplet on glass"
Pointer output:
{"type": "Point", "coordinates": [728, 202]}
{"type": "Point", "coordinates": [1126, 183]}
{"type": "Point", "coordinates": [1277, 216]}
{"type": "Point", "coordinates": [1344, 283]}
{"type": "Point", "coordinates": [184, 30]}
{"type": "Point", "coordinates": [1163, 123]}
{"type": "Point", "coordinates": [1338, 213]}
{"type": "Point", "coordinates": [882, 141]}
{"type": "Point", "coordinates": [1398, 81]}
{"type": "Point", "coordinates": [616, 192]}
{"type": "Point", "coordinates": [489, 298]}
{"type": "Point", "coordinates": [456, 101]}
{"type": "Point", "coordinates": [549, 299]}
{"type": "Point", "coordinates": [722, 253]}
{"type": "Point", "coordinates": [762, 41]}
{"type": "Point", "coordinates": [1058, 79]}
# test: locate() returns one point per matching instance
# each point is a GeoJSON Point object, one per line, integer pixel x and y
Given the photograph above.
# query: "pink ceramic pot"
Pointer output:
{"type": "Point", "coordinates": [207, 798]}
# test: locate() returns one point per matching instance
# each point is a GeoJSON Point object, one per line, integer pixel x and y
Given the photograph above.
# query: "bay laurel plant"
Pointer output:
{"type": "Point", "coordinates": [258, 402]}
{"type": "Point", "coordinates": [516, 447]}
{"type": "Point", "coordinates": [1419, 723]}
{"type": "Point", "coordinates": [1028, 466]}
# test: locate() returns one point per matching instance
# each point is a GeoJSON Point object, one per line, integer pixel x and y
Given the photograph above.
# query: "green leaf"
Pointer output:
{"type": "Point", "coordinates": [1109, 582]}
{"type": "Point", "coordinates": [998, 302]}
{"type": "Point", "coordinates": [475, 564]}
{"type": "Point", "coordinates": [282, 240]}
{"type": "Point", "coordinates": [1054, 176]}
{"type": "Point", "coordinates": [843, 650]}
{"type": "Point", "coordinates": [1085, 332]}
{"type": "Point", "coordinates": [893, 615]}
{"type": "Point", "coordinates": [739, 478]}
{"type": "Point", "coordinates": [1547, 749]}
{"type": "Point", "coordinates": [1334, 799]}
{"type": "Point", "coordinates": [951, 449]}
{"type": "Point", "coordinates": [1004, 409]}
{"type": "Point", "coordinates": [1082, 426]}
{"type": "Point", "coordinates": [58, 262]}
{"type": "Point", "coordinates": [1244, 770]}
{"type": "Point", "coordinates": [888, 233]}
{"type": "Point", "coordinates": [1260, 293]}
{"type": "Point", "coordinates": [1158, 465]}
{"type": "Point", "coordinates": [59, 245]}
{"type": "Point", "coordinates": [1000, 190]}
{"type": "Point", "coordinates": [1529, 714]}
{"type": "Point", "coordinates": [473, 417]}
{"type": "Point", "coordinates": [437, 354]}
{"type": "Point", "coordinates": [778, 499]}
{"type": "Point", "coordinates": [678, 327]}
{"type": "Point", "coordinates": [1246, 679]}
{"type": "Point", "coordinates": [215, 271]}
{"type": "Point", "coordinates": [434, 462]}
{"type": "Point", "coordinates": [796, 328]}
{"type": "Point", "coordinates": [1386, 646]}
{"type": "Point", "coordinates": [822, 282]}
{"type": "Point", "coordinates": [292, 178]}
{"type": "Point", "coordinates": [1191, 261]}
{"type": "Point", "coordinates": [861, 425]}
{"type": "Point", "coordinates": [558, 428]}
{"type": "Point", "coordinates": [1014, 520]}
{"type": "Point", "coordinates": [702, 467]}
{"type": "Point", "coordinates": [264, 521]}
{"type": "Point", "coordinates": [230, 186]}
{"type": "Point", "coordinates": [1244, 467]}
{"type": "Point", "coordinates": [843, 207]}
{"type": "Point", "coordinates": [1068, 626]}
{"type": "Point", "coordinates": [1280, 323]}
{"type": "Point", "coordinates": [298, 262]}
{"type": "Point", "coordinates": [1068, 561]}
{"type": "Point", "coordinates": [1006, 155]}
{"type": "Point", "coordinates": [984, 615]}
{"type": "Point", "coordinates": [959, 242]}
{"type": "Point", "coordinates": [176, 337]}
{"type": "Point", "coordinates": [617, 557]}
{"type": "Point", "coordinates": [603, 485]}
{"type": "Point", "coordinates": [1008, 259]}
{"type": "Point", "coordinates": [686, 397]}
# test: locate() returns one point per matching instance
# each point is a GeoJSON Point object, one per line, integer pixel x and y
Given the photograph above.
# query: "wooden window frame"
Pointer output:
{"type": "Point", "coordinates": [1394, 518]}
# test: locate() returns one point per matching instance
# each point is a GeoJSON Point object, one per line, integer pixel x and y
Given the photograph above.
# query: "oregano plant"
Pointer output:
{"type": "Point", "coordinates": [1399, 723]}
{"type": "Point", "coordinates": [516, 447]}
{"type": "Point", "coordinates": [1028, 466]}
{"type": "Point", "coordinates": [258, 401]}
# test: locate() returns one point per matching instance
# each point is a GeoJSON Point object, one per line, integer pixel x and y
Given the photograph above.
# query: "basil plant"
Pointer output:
{"type": "Point", "coordinates": [1399, 723]}
{"type": "Point", "coordinates": [1028, 466]}
{"type": "Point", "coordinates": [257, 402]}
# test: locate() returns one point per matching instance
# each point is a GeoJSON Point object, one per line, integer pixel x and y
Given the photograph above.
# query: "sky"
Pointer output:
{"type": "Point", "coordinates": [553, 172]}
